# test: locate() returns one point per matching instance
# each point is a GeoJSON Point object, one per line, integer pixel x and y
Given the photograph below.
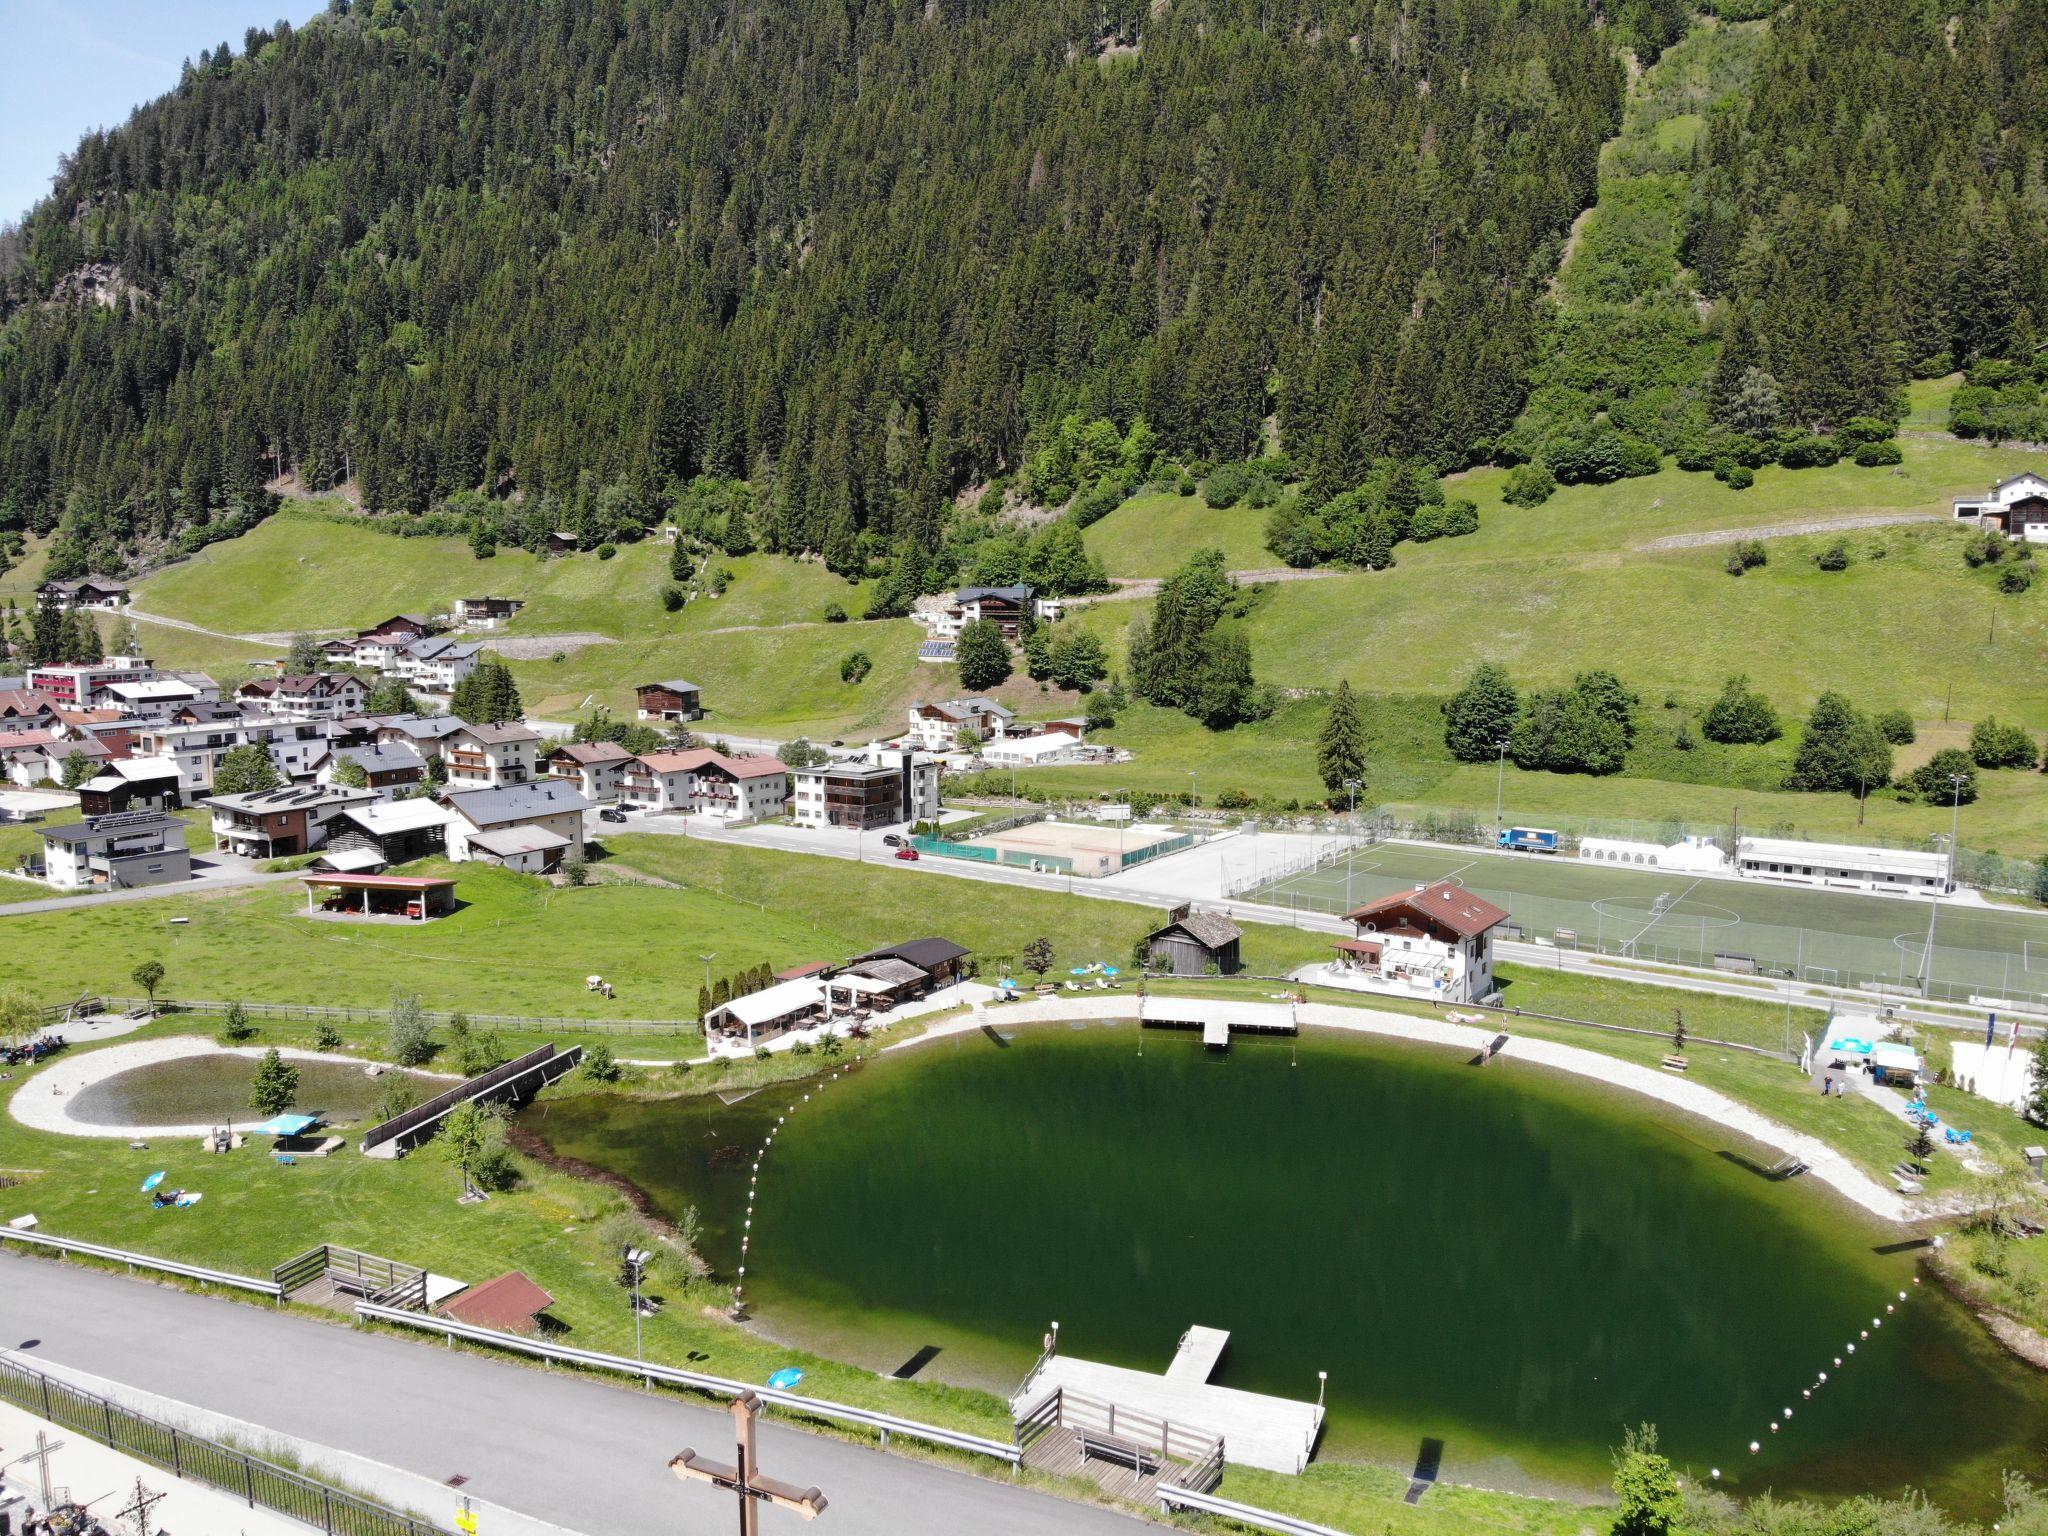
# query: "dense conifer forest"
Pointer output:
{"type": "Point", "coordinates": [548, 264]}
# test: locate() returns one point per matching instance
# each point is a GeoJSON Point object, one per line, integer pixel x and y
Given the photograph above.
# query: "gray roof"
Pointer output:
{"type": "Point", "coordinates": [925, 954]}
{"type": "Point", "coordinates": [289, 797]}
{"type": "Point", "coordinates": [425, 727]}
{"type": "Point", "coordinates": [505, 842]}
{"type": "Point", "coordinates": [85, 832]}
{"type": "Point", "coordinates": [675, 684]}
{"type": "Point", "coordinates": [961, 709]}
{"type": "Point", "coordinates": [502, 735]}
{"type": "Point", "coordinates": [440, 648]}
{"type": "Point", "coordinates": [516, 802]}
{"type": "Point", "coordinates": [1016, 594]}
{"type": "Point", "coordinates": [381, 757]}
{"type": "Point", "coordinates": [1209, 929]}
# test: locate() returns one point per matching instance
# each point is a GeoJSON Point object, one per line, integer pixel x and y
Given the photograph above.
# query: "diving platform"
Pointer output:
{"type": "Point", "coordinates": [1277, 1434]}
{"type": "Point", "coordinates": [1217, 1018]}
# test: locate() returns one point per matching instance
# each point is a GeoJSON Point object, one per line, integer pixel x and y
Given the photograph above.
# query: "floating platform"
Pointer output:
{"type": "Point", "coordinates": [1277, 1434]}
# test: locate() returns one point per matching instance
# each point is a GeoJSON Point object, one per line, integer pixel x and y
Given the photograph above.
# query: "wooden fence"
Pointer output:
{"type": "Point", "coordinates": [312, 1012]}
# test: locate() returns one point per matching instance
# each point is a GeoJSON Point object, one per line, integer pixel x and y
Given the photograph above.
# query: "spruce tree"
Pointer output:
{"type": "Point", "coordinates": [1340, 750]}
{"type": "Point", "coordinates": [276, 1084]}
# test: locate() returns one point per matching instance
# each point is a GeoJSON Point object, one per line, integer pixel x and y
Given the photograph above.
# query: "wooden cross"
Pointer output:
{"type": "Point", "coordinates": [745, 1479]}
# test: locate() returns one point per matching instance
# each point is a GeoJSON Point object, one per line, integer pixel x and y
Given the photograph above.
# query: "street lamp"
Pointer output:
{"type": "Point", "coordinates": [1352, 785]}
{"type": "Point", "coordinates": [1955, 816]}
{"type": "Point", "coordinates": [636, 1262]}
{"type": "Point", "coordinates": [707, 959]}
{"type": "Point", "coordinates": [1191, 789]}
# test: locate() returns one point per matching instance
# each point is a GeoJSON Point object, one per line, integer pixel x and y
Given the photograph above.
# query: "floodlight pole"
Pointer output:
{"type": "Point", "coordinates": [1500, 780]}
{"type": "Point", "coordinates": [1955, 817]}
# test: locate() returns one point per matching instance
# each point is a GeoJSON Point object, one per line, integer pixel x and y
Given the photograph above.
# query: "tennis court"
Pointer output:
{"type": "Point", "coordinates": [1827, 936]}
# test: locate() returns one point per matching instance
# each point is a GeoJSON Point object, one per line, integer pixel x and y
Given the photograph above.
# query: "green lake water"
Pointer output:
{"type": "Point", "coordinates": [1512, 1262]}
{"type": "Point", "coordinates": [214, 1089]}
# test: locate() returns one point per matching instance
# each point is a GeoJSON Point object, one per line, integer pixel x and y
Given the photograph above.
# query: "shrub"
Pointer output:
{"type": "Point", "coordinates": [1226, 486]}
{"type": "Point", "coordinates": [1747, 555]}
{"type": "Point", "coordinates": [1739, 477]}
{"type": "Point", "coordinates": [576, 869]}
{"type": "Point", "coordinates": [1986, 548]}
{"type": "Point", "coordinates": [606, 551]}
{"type": "Point", "coordinates": [235, 1027]}
{"type": "Point", "coordinates": [1866, 429]}
{"type": "Point", "coordinates": [1876, 455]}
{"type": "Point", "coordinates": [1185, 485]}
{"type": "Point", "coordinates": [1994, 744]}
{"type": "Point", "coordinates": [1528, 485]}
{"type": "Point", "coordinates": [834, 614]}
{"type": "Point", "coordinates": [672, 599]}
{"type": "Point", "coordinates": [326, 1037]}
{"type": "Point", "coordinates": [1740, 716]}
{"type": "Point", "coordinates": [1835, 557]}
{"type": "Point", "coordinates": [1894, 725]}
{"type": "Point", "coordinates": [1809, 453]}
{"type": "Point", "coordinates": [1234, 800]}
{"type": "Point", "coordinates": [599, 1065]}
{"type": "Point", "coordinates": [2016, 577]}
{"type": "Point", "coordinates": [1460, 518]}
{"type": "Point", "coordinates": [856, 667]}
{"type": "Point", "coordinates": [1936, 779]}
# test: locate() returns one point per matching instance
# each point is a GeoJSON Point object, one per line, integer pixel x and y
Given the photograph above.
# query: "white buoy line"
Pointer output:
{"type": "Point", "coordinates": [1840, 1361]}
{"type": "Point", "coordinates": [754, 1181]}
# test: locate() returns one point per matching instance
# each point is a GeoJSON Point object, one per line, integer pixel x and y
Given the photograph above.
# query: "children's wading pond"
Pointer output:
{"type": "Point", "coordinates": [1513, 1262]}
{"type": "Point", "coordinates": [214, 1089]}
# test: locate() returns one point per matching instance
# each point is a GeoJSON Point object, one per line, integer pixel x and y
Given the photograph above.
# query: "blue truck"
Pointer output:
{"type": "Point", "coordinates": [1530, 839]}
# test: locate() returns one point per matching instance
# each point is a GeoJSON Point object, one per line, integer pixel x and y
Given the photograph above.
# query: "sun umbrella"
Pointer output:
{"type": "Point", "coordinates": [785, 1378]}
{"type": "Point", "coordinates": [1079, 970]}
{"type": "Point", "coordinates": [1110, 970]}
{"type": "Point", "coordinates": [152, 1181]}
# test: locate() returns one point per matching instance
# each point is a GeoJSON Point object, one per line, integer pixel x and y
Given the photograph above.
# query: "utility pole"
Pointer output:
{"type": "Point", "coordinates": [744, 1478]}
{"type": "Point", "coordinates": [1955, 816]}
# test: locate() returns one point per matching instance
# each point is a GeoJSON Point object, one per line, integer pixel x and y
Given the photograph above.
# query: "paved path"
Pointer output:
{"type": "Point", "coordinates": [141, 617]}
{"type": "Point", "coordinates": [578, 1453]}
{"type": "Point", "coordinates": [1787, 530]}
{"type": "Point", "coordinates": [226, 880]}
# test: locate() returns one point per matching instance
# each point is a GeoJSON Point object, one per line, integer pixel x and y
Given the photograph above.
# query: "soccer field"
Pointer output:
{"type": "Point", "coordinates": [1828, 936]}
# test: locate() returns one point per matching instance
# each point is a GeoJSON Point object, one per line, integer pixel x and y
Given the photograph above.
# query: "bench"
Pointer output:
{"type": "Point", "coordinates": [1674, 1064]}
{"type": "Point", "coordinates": [1100, 1447]}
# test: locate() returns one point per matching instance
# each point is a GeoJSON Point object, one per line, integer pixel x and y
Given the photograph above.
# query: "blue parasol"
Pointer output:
{"type": "Point", "coordinates": [785, 1378]}
{"type": "Point", "coordinates": [152, 1181]}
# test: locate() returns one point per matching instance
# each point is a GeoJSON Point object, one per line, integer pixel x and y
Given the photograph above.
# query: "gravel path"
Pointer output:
{"type": "Point", "coordinates": [1787, 530]}
{"type": "Point", "coordinates": [45, 1104]}
{"type": "Point", "coordinates": [541, 647]}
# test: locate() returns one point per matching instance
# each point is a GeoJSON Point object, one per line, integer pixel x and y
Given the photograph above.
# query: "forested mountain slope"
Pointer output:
{"type": "Point", "coordinates": [857, 249]}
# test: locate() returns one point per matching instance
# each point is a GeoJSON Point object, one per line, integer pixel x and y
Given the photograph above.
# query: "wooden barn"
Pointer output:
{"type": "Point", "coordinates": [1193, 942]}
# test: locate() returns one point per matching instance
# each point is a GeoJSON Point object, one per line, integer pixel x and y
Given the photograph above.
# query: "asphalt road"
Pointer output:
{"type": "Point", "coordinates": [572, 1451]}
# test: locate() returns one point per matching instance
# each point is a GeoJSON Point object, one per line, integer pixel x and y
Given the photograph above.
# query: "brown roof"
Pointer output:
{"type": "Point", "coordinates": [704, 757]}
{"type": "Point", "coordinates": [26, 701]}
{"type": "Point", "coordinates": [799, 972]}
{"type": "Point", "coordinates": [590, 753]}
{"type": "Point", "coordinates": [1447, 905]}
{"type": "Point", "coordinates": [501, 735]}
{"type": "Point", "coordinates": [511, 1302]}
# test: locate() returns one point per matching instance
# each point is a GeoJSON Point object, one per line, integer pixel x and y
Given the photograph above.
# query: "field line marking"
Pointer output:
{"type": "Point", "coordinates": [1653, 922]}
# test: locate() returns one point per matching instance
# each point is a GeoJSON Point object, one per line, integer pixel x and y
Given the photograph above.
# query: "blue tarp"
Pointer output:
{"type": "Point", "coordinates": [285, 1125]}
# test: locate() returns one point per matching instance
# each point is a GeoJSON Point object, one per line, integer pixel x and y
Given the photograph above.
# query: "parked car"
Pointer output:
{"type": "Point", "coordinates": [611, 813]}
{"type": "Point", "coordinates": [907, 853]}
{"type": "Point", "coordinates": [892, 840]}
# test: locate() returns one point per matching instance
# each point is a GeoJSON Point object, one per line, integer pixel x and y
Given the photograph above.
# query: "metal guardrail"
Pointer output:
{"type": "Point", "coordinates": [249, 1478]}
{"type": "Point", "coordinates": [268, 1288]}
{"type": "Point", "coordinates": [886, 1424]}
{"type": "Point", "coordinates": [1244, 1514]}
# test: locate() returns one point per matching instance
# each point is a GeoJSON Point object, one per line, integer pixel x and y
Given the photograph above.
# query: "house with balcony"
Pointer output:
{"type": "Point", "coordinates": [436, 663]}
{"type": "Point", "coordinates": [317, 696]}
{"type": "Point", "coordinates": [156, 699]}
{"type": "Point", "coordinates": [491, 756]}
{"type": "Point", "coordinates": [526, 827]}
{"type": "Point", "coordinates": [379, 647]}
{"type": "Point", "coordinates": [2017, 507]}
{"type": "Point", "coordinates": [866, 791]}
{"type": "Point", "coordinates": [84, 685]}
{"type": "Point", "coordinates": [1008, 608]}
{"type": "Point", "coordinates": [595, 767]}
{"type": "Point", "coordinates": [1435, 943]}
{"type": "Point", "coordinates": [674, 701]}
{"type": "Point", "coordinates": [427, 735]}
{"type": "Point", "coordinates": [706, 783]}
{"type": "Point", "coordinates": [937, 727]}
{"type": "Point", "coordinates": [95, 592]}
{"type": "Point", "coordinates": [280, 823]}
{"type": "Point", "coordinates": [486, 612]}
{"type": "Point", "coordinates": [132, 784]}
{"type": "Point", "coordinates": [116, 852]}
{"type": "Point", "coordinates": [392, 769]}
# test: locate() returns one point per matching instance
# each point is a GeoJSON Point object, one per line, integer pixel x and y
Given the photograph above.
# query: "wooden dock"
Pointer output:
{"type": "Point", "coordinates": [1257, 1430]}
{"type": "Point", "coordinates": [1217, 1018]}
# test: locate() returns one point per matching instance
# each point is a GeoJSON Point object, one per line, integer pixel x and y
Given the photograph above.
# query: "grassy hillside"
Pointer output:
{"type": "Point", "coordinates": [1150, 535]}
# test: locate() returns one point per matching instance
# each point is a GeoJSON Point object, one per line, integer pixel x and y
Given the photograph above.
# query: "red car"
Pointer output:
{"type": "Point", "coordinates": [907, 853]}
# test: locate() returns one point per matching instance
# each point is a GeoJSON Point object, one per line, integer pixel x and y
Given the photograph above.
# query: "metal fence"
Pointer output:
{"type": "Point", "coordinates": [250, 1478]}
{"type": "Point", "coordinates": [1176, 1498]}
{"type": "Point", "coordinates": [310, 1012]}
